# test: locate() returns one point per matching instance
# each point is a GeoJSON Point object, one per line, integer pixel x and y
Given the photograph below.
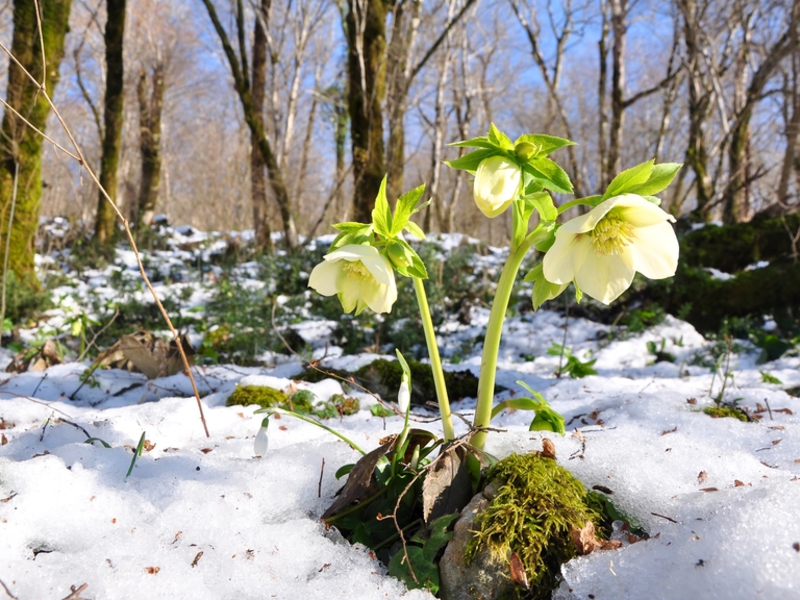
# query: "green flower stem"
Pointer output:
{"type": "Point", "coordinates": [436, 362]}
{"type": "Point", "coordinates": [577, 202]}
{"type": "Point", "coordinates": [272, 410]}
{"type": "Point", "coordinates": [491, 343]}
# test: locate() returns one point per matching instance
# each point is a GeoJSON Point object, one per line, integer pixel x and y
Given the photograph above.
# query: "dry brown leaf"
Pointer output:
{"type": "Point", "coordinates": [152, 570]}
{"type": "Point", "coordinates": [738, 483]}
{"type": "Point", "coordinates": [583, 538]}
{"type": "Point", "coordinates": [702, 476]}
{"type": "Point", "coordinates": [196, 559]}
{"type": "Point", "coordinates": [3, 439]}
{"type": "Point", "coordinates": [518, 571]}
{"type": "Point", "coordinates": [610, 544]}
{"type": "Point", "coordinates": [709, 489]}
{"type": "Point", "coordinates": [548, 448]}
{"type": "Point", "coordinates": [206, 450]}
{"type": "Point", "coordinates": [691, 400]}
{"type": "Point", "coordinates": [148, 445]}
{"type": "Point", "coordinates": [673, 430]}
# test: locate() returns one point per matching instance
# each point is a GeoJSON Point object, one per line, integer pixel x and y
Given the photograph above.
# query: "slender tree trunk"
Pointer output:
{"type": "Point", "coordinates": [783, 205]}
{"type": "Point", "coordinates": [19, 144]}
{"type": "Point", "coordinates": [340, 117]}
{"type": "Point", "coordinates": [150, 110]}
{"type": "Point", "coordinates": [602, 81]}
{"type": "Point", "coordinates": [365, 28]}
{"type": "Point", "coordinates": [619, 27]}
{"type": "Point", "coordinates": [258, 178]}
{"type": "Point", "coordinates": [105, 221]}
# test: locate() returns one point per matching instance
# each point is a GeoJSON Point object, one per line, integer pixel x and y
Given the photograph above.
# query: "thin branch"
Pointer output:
{"type": "Point", "coordinates": [28, 123]}
{"type": "Point", "coordinates": [435, 46]}
{"type": "Point", "coordinates": [8, 245]}
{"type": "Point", "coordinates": [8, 591]}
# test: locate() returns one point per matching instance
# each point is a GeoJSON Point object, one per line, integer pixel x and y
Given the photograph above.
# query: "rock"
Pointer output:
{"type": "Point", "coordinates": [486, 577]}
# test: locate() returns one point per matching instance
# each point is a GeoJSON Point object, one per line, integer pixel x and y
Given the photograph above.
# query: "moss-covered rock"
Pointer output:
{"type": "Point", "coordinates": [261, 395]}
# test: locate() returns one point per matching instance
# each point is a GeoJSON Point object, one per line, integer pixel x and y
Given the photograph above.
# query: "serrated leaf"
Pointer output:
{"type": "Point", "coordinates": [543, 290]}
{"type": "Point", "coordinates": [543, 203]}
{"type": "Point", "coordinates": [499, 138]}
{"type": "Point", "coordinates": [478, 142]}
{"type": "Point", "coordinates": [628, 179]}
{"type": "Point", "coordinates": [545, 144]}
{"type": "Point", "coordinates": [469, 162]}
{"type": "Point", "coordinates": [660, 178]}
{"type": "Point", "coordinates": [405, 208]}
{"type": "Point", "coordinates": [550, 175]}
{"type": "Point", "coordinates": [350, 226]}
{"type": "Point", "coordinates": [415, 230]}
{"type": "Point", "coordinates": [382, 213]}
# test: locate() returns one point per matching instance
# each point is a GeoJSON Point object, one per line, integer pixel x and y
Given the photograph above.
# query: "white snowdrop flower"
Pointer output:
{"type": "Point", "coordinates": [261, 444]}
{"type": "Point", "coordinates": [404, 396]}
{"type": "Point", "coordinates": [603, 249]}
{"type": "Point", "coordinates": [497, 185]}
{"type": "Point", "coordinates": [361, 277]}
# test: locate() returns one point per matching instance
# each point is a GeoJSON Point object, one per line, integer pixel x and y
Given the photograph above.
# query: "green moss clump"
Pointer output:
{"type": "Point", "coordinates": [537, 504]}
{"type": "Point", "coordinates": [261, 395]}
{"type": "Point", "coordinates": [719, 412]}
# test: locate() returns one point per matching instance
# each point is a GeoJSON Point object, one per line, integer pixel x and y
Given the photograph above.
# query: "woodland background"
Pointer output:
{"type": "Point", "coordinates": [200, 95]}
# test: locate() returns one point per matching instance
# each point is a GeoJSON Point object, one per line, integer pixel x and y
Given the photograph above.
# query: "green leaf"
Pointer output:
{"type": "Point", "coordinates": [499, 139]}
{"type": "Point", "coordinates": [545, 144]}
{"type": "Point", "coordinates": [660, 178]}
{"type": "Point", "coordinates": [405, 259]}
{"type": "Point", "coordinates": [630, 178]}
{"type": "Point", "coordinates": [415, 230]}
{"type": "Point", "coordinates": [543, 290]}
{"type": "Point", "coordinates": [405, 208]}
{"type": "Point", "coordinates": [469, 162]}
{"type": "Point", "coordinates": [478, 142]}
{"type": "Point", "coordinates": [382, 213]}
{"type": "Point", "coordinates": [404, 365]}
{"type": "Point", "coordinates": [136, 454]}
{"type": "Point", "coordinates": [349, 227]}
{"type": "Point", "coordinates": [543, 203]}
{"type": "Point", "coordinates": [547, 419]}
{"type": "Point", "coordinates": [439, 535]}
{"type": "Point", "coordinates": [520, 218]}
{"type": "Point", "coordinates": [549, 175]}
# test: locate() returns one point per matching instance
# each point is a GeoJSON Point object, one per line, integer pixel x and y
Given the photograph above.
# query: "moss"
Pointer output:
{"type": "Point", "coordinates": [537, 504]}
{"type": "Point", "coordinates": [261, 395]}
{"type": "Point", "coordinates": [720, 412]}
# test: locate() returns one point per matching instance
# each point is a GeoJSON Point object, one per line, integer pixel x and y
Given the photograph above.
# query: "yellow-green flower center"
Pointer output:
{"type": "Point", "coordinates": [355, 269]}
{"type": "Point", "coordinates": [611, 234]}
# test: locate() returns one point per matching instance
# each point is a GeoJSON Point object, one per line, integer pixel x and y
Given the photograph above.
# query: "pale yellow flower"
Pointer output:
{"type": "Point", "coordinates": [603, 249]}
{"type": "Point", "coordinates": [497, 185]}
{"type": "Point", "coordinates": [361, 277]}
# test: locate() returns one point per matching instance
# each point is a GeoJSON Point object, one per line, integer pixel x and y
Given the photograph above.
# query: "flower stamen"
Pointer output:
{"type": "Point", "coordinates": [611, 235]}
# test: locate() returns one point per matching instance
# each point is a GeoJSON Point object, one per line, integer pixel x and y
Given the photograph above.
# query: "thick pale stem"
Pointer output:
{"type": "Point", "coordinates": [436, 362]}
{"type": "Point", "coordinates": [491, 343]}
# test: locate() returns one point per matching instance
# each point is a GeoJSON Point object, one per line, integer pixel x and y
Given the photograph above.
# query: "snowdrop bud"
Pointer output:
{"type": "Point", "coordinates": [404, 396]}
{"type": "Point", "coordinates": [262, 440]}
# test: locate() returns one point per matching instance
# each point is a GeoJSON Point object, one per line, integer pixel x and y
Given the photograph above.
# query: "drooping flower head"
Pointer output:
{"type": "Point", "coordinates": [261, 444]}
{"type": "Point", "coordinates": [497, 185]}
{"type": "Point", "coordinates": [603, 249]}
{"type": "Point", "coordinates": [360, 275]}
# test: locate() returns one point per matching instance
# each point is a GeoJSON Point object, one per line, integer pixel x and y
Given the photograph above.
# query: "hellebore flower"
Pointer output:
{"type": "Point", "coordinates": [262, 439]}
{"type": "Point", "coordinates": [497, 183]}
{"type": "Point", "coordinates": [359, 275]}
{"type": "Point", "coordinates": [603, 249]}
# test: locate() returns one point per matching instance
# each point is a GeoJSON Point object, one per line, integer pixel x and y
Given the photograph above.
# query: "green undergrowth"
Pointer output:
{"type": "Point", "coordinates": [303, 402]}
{"type": "Point", "coordinates": [538, 502]}
{"type": "Point", "coordinates": [383, 377]}
{"type": "Point", "coordinates": [721, 412]}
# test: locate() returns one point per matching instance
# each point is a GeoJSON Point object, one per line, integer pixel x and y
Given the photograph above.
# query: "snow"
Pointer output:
{"type": "Point", "coordinates": [204, 518]}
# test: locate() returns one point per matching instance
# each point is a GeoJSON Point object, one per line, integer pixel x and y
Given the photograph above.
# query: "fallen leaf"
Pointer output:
{"type": "Point", "coordinates": [3, 439]}
{"type": "Point", "coordinates": [148, 445]}
{"type": "Point", "coordinates": [738, 483]}
{"type": "Point", "coordinates": [796, 546]}
{"type": "Point", "coordinates": [785, 411]}
{"type": "Point", "coordinates": [583, 538]}
{"type": "Point", "coordinates": [206, 450]}
{"type": "Point", "coordinates": [602, 488]}
{"type": "Point", "coordinates": [709, 489]}
{"type": "Point", "coordinates": [152, 570]}
{"type": "Point", "coordinates": [702, 476]}
{"type": "Point", "coordinates": [776, 442]}
{"type": "Point", "coordinates": [197, 558]}
{"type": "Point", "coordinates": [673, 430]}
{"type": "Point", "coordinates": [548, 448]}
{"type": "Point", "coordinates": [518, 571]}
{"type": "Point", "coordinates": [447, 488]}
{"type": "Point", "coordinates": [610, 544]}
{"type": "Point", "coordinates": [691, 400]}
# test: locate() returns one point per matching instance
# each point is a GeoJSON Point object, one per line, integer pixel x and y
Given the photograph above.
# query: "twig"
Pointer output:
{"type": "Point", "coordinates": [82, 161]}
{"type": "Point", "coordinates": [670, 519]}
{"type": "Point", "coordinates": [46, 423]}
{"type": "Point", "coordinates": [76, 426]}
{"type": "Point", "coordinates": [319, 485]}
{"type": "Point", "coordinates": [98, 334]}
{"type": "Point", "coordinates": [8, 245]}
{"type": "Point", "coordinates": [76, 592]}
{"type": "Point", "coordinates": [8, 591]}
{"type": "Point", "coordinates": [769, 409]}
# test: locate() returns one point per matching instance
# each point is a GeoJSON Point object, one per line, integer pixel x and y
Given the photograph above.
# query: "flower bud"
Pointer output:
{"type": "Point", "coordinates": [404, 396]}
{"type": "Point", "coordinates": [262, 440]}
{"type": "Point", "coordinates": [497, 185]}
{"type": "Point", "coordinates": [525, 151]}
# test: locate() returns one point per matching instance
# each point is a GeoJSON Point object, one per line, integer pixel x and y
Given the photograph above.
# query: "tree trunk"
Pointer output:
{"type": "Point", "coordinates": [105, 221]}
{"type": "Point", "coordinates": [365, 27]}
{"type": "Point", "coordinates": [619, 27]}
{"type": "Point", "coordinates": [150, 110]}
{"type": "Point", "coordinates": [602, 79]}
{"type": "Point", "coordinates": [258, 178]}
{"type": "Point", "coordinates": [21, 145]}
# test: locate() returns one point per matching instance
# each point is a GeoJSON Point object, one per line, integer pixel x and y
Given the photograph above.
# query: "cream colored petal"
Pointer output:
{"type": "Point", "coordinates": [496, 186]}
{"type": "Point", "coordinates": [565, 257]}
{"type": "Point", "coordinates": [655, 251]}
{"type": "Point", "coordinates": [380, 298]}
{"type": "Point", "coordinates": [590, 220]}
{"type": "Point", "coordinates": [640, 212]}
{"type": "Point", "coordinates": [352, 252]}
{"type": "Point", "coordinates": [380, 268]}
{"type": "Point", "coordinates": [604, 278]}
{"type": "Point", "coordinates": [324, 278]}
